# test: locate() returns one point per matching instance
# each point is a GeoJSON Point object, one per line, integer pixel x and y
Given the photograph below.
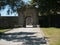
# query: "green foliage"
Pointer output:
{"type": "Point", "coordinates": [12, 3]}
{"type": "Point", "coordinates": [48, 6]}
{"type": "Point", "coordinates": [2, 30]}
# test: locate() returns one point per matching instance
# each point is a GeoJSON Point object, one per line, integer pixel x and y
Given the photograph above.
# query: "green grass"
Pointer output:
{"type": "Point", "coordinates": [53, 35]}
{"type": "Point", "coordinates": [2, 30]}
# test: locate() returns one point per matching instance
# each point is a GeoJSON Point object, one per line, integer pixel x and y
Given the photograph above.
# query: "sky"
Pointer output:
{"type": "Point", "coordinates": [3, 12]}
{"type": "Point", "coordinates": [26, 0]}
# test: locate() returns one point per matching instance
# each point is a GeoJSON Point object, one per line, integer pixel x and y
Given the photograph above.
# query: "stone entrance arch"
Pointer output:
{"type": "Point", "coordinates": [29, 20]}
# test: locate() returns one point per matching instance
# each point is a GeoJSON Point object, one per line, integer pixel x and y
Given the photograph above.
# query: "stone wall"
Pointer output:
{"type": "Point", "coordinates": [28, 12]}
{"type": "Point", "coordinates": [6, 22]}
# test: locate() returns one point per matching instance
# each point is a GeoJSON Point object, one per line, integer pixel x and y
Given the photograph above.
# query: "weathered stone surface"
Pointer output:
{"type": "Point", "coordinates": [23, 36]}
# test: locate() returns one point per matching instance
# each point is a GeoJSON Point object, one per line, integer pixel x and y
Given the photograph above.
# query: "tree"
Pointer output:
{"type": "Point", "coordinates": [14, 4]}
{"type": "Point", "coordinates": [47, 6]}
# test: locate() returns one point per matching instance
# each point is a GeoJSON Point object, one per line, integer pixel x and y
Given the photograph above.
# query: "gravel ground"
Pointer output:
{"type": "Point", "coordinates": [23, 36]}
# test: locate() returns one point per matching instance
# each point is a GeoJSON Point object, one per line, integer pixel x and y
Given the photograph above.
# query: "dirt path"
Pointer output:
{"type": "Point", "coordinates": [23, 36]}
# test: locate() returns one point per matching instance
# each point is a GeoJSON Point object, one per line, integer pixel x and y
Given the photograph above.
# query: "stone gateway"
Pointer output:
{"type": "Point", "coordinates": [28, 17]}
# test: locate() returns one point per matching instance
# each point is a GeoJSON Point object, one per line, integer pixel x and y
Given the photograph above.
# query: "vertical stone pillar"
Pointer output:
{"type": "Point", "coordinates": [21, 20]}
{"type": "Point", "coordinates": [35, 19]}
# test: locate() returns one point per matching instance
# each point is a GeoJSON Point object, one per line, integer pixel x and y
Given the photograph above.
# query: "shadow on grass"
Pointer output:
{"type": "Point", "coordinates": [25, 37]}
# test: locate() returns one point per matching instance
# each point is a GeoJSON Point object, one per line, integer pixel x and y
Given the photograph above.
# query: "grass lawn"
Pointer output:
{"type": "Point", "coordinates": [53, 35]}
{"type": "Point", "coordinates": [2, 30]}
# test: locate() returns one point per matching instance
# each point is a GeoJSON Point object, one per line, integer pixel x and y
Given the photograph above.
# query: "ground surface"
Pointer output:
{"type": "Point", "coordinates": [53, 35]}
{"type": "Point", "coordinates": [23, 36]}
{"type": "Point", "coordinates": [2, 30]}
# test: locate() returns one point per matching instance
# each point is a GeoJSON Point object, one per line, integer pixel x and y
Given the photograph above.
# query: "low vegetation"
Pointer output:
{"type": "Point", "coordinates": [2, 30]}
{"type": "Point", "coordinates": [53, 35]}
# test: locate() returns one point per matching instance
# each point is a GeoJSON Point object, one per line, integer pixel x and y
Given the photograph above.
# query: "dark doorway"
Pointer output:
{"type": "Point", "coordinates": [29, 20]}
